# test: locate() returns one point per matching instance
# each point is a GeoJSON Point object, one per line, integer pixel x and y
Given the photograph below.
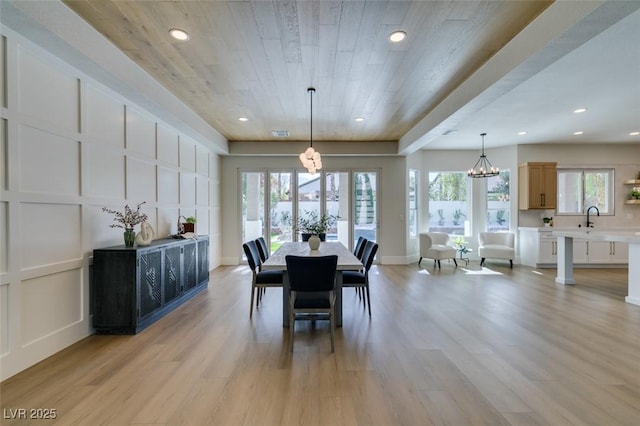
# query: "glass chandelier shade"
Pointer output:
{"type": "Point", "coordinates": [310, 158]}
{"type": "Point", "coordinates": [483, 167]}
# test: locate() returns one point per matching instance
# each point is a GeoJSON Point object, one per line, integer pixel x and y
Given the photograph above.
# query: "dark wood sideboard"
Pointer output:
{"type": "Point", "coordinates": [134, 287]}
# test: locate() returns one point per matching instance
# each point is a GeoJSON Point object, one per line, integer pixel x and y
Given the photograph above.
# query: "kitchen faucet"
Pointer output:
{"type": "Point", "coordinates": [590, 224]}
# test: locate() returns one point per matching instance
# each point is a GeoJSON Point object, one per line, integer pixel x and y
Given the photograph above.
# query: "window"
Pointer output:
{"type": "Point", "coordinates": [498, 206]}
{"type": "Point", "coordinates": [448, 205]}
{"type": "Point", "coordinates": [413, 203]}
{"type": "Point", "coordinates": [579, 189]}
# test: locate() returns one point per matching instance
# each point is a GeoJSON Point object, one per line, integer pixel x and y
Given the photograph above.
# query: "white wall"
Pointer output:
{"type": "Point", "coordinates": [68, 147]}
{"type": "Point", "coordinates": [391, 199]}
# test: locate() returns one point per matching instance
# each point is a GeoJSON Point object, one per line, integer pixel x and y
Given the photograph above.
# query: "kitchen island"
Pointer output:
{"type": "Point", "coordinates": [565, 256]}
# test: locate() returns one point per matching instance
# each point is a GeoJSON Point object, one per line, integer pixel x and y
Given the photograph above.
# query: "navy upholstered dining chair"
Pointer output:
{"type": "Point", "coordinates": [360, 279]}
{"type": "Point", "coordinates": [259, 279]}
{"type": "Point", "coordinates": [312, 281]}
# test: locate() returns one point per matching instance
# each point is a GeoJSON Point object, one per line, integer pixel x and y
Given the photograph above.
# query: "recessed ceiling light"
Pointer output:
{"type": "Point", "coordinates": [179, 34]}
{"type": "Point", "coordinates": [397, 36]}
{"type": "Point", "coordinates": [634, 133]}
{"type": "Point", "coordinates": [280, 133]}
{"type": "Point", "coordinates": [522, 133]}
{"type": "Point", "coordinates": [579, 110]}
{"type": "Point", "coordinates": [577, 133]}
{"type": "Point", "coordinates": [243, 119]}
{"type": "Point", "coordinates": [359, 119]}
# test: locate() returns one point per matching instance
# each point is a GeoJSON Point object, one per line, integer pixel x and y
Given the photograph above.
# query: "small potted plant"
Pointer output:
{"type": "Point", "coordinates": [189, 224]}
{"type": "Point", "coordinates": [635, 193]}
{"type": "Point", "coordinates": [547, 221]}
{"type": "Point", "coordinates": [313, 223]}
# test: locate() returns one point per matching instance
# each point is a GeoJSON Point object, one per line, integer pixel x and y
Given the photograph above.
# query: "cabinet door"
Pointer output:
{"type": "Point", "coordinates": [171, 273]}
{"type": "Point", "coordinates": [190, 272]}
{"type": "Point", "coordinates": [203, 261]}
{"type": "Point", "coordinates": [600, 251]}
{"type": "Point", "coordinates": [548, 252]}
{"type": "Point", "coordinates": [548, 183]}
{"type": "Point", "coordinates": [149, 282]}
{"type": "Point", "coordinates": [580, 251]}
{"type": "Point", "coordinates": [620, 252]}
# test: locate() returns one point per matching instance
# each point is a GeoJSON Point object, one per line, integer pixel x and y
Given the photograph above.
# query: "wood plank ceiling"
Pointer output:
{"type": "Point", "coordinates": [255, 59]}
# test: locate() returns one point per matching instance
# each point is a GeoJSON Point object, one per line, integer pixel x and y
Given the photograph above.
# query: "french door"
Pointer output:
{"type": "Point", "coordinates": [272, 201]}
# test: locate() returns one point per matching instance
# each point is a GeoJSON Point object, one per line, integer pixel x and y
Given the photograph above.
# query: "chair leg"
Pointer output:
{"type": "Point", "coordinates": [368, 299]}
{"type": "Point", "coordinates": [439, 267]}
{"type": "Point", "coordinates": [511, 263]}
{"type": "Point", "coordinates": [253, 289]}
{"type": "Point", "coordinates": [419, 260]}
{"type": "Point", "coordinates": [454, 261]}
{"type": "Point", "coordinates": [482, 261]}
{"type": "Point", "coordinates": [292, 322]}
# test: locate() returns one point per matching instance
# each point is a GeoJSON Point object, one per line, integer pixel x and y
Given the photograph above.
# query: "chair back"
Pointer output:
{"type": "Point", "coordinates": [359, 248]}
{"type": "Point", "coordinates": [312, 273]}
{"type": "Point", "coordinates": [438, 238]}
{"type": "Point", "coordinates": [499, 238]}
{"type": "Point", "coordinates": [263, 251]}
{"type": "Point", "coordinates": [369, 253]}
{"type": "Point", "coordinates": [253, 256]}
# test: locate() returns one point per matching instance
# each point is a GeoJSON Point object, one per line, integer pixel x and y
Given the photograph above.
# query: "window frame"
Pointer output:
{"type": "Point", "coordinates": [583, 171]}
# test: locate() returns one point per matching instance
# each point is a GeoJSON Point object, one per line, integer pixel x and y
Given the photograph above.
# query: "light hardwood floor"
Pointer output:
{"type": "Point", "coordinates": [453, 346]}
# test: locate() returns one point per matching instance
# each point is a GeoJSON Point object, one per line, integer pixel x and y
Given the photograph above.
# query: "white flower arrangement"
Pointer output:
{"type": "Point", "coordinates": [129, 218]}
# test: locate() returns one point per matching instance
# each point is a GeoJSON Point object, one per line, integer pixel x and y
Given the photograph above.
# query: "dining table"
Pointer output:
{"type": "Point", "coordinates": [347, 261]}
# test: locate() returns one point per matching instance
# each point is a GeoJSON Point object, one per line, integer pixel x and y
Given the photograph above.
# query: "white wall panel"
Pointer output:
{"type": "Point", "coordinates": [203, 221]}
{"type": "Point", "coordinates": [167, 222]}
{"type": "Point", "coordinates": [187, 154]}
{"type": "Point", "coordinates": [202, 162]}
{"type": "Point", "coordinates": [104, 117]}
{"type": "Point", "coordinates": [50, 303]}
{"type": "Point", "coordinates": [49, 233]}
{"type": "Point", "coordinates": [187, 190]}
{"type": "Point", "coordinates": [3, 154]}
{"type": "Point", "coordinates": [141, 181]}
{"type": "Point", "coordinates": [4, 319]}
{"type": "Point", "coordinates": [98, 227]}
{"type": "Point", "coordinates": [168, 151]}
{"type": "Point", "coordinates": [48, 163]}
{"type": "Point", "coordinates": [105, 171]}
{"type": "Point", "coordinates": [47, 93]}
{"type": "Point", "coordinates": [4, 247]}
{"type": "Point", "coordinates": [202, 190]}
{"type": "Point", "coordinates": [168, 186]}
{"type": "Point", "coordinates": [3, 68]}
{"type": "Point", "coordinates": [141, 133]}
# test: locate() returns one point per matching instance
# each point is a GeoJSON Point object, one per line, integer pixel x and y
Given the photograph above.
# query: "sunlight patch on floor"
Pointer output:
{"type": "Point", "coordinates": [424, 272]}
{"type": "Point", "coordinates": [484, 271]}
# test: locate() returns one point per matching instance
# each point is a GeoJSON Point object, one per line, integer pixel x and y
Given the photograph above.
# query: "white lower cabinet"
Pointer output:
{"type": "Point", "coordinates": [539, 248]}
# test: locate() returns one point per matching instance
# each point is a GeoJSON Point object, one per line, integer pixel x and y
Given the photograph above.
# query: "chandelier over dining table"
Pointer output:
{"type": "Point", "coordinates": [310, 158]}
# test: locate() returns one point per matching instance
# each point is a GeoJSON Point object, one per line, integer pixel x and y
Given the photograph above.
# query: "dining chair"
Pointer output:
{"type": "Point", "coordinates": [361, 278]}
{"type": "Point", "coordinates": [263, 250]}
{"type": "Point", "coordinates": [259, 279]}
{"type": "Point", "coordinates": [312, 297]}
{"type": "Point", "coordinates": [359, 248]}
{"type": "Point", "coordinates": [264, 255]}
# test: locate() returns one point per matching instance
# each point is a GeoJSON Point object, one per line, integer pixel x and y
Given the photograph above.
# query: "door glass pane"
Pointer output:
{"type": "Point", "coordinates": [498, 207]}
{"type": "Point", "coordinates": [448, 206]}
{"type": "Point", "coordinates": [308, 195]}
{"type": "Point", "coordinates": [281, 209]}
{"type": "Point", "coordinates": [570, 191]}
{"type": "Point", "coordinates": [252, 205]}
{"type": "Point", "coordinates": [413, 203]}
{"type": "Point", "coordinates": [364, 208]}
{"type": "Point", "coordinates": [337, 204]}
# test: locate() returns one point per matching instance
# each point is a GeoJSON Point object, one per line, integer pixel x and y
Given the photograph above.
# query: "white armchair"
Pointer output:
{"type": "Point", "coordinates": [496, 245]}
{"type": "Point", "coordinates": [433, 245]}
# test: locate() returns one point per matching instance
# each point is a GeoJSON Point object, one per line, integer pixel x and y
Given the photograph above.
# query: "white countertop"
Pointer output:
{"type": "Point", "coordinates": [600, 235]}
